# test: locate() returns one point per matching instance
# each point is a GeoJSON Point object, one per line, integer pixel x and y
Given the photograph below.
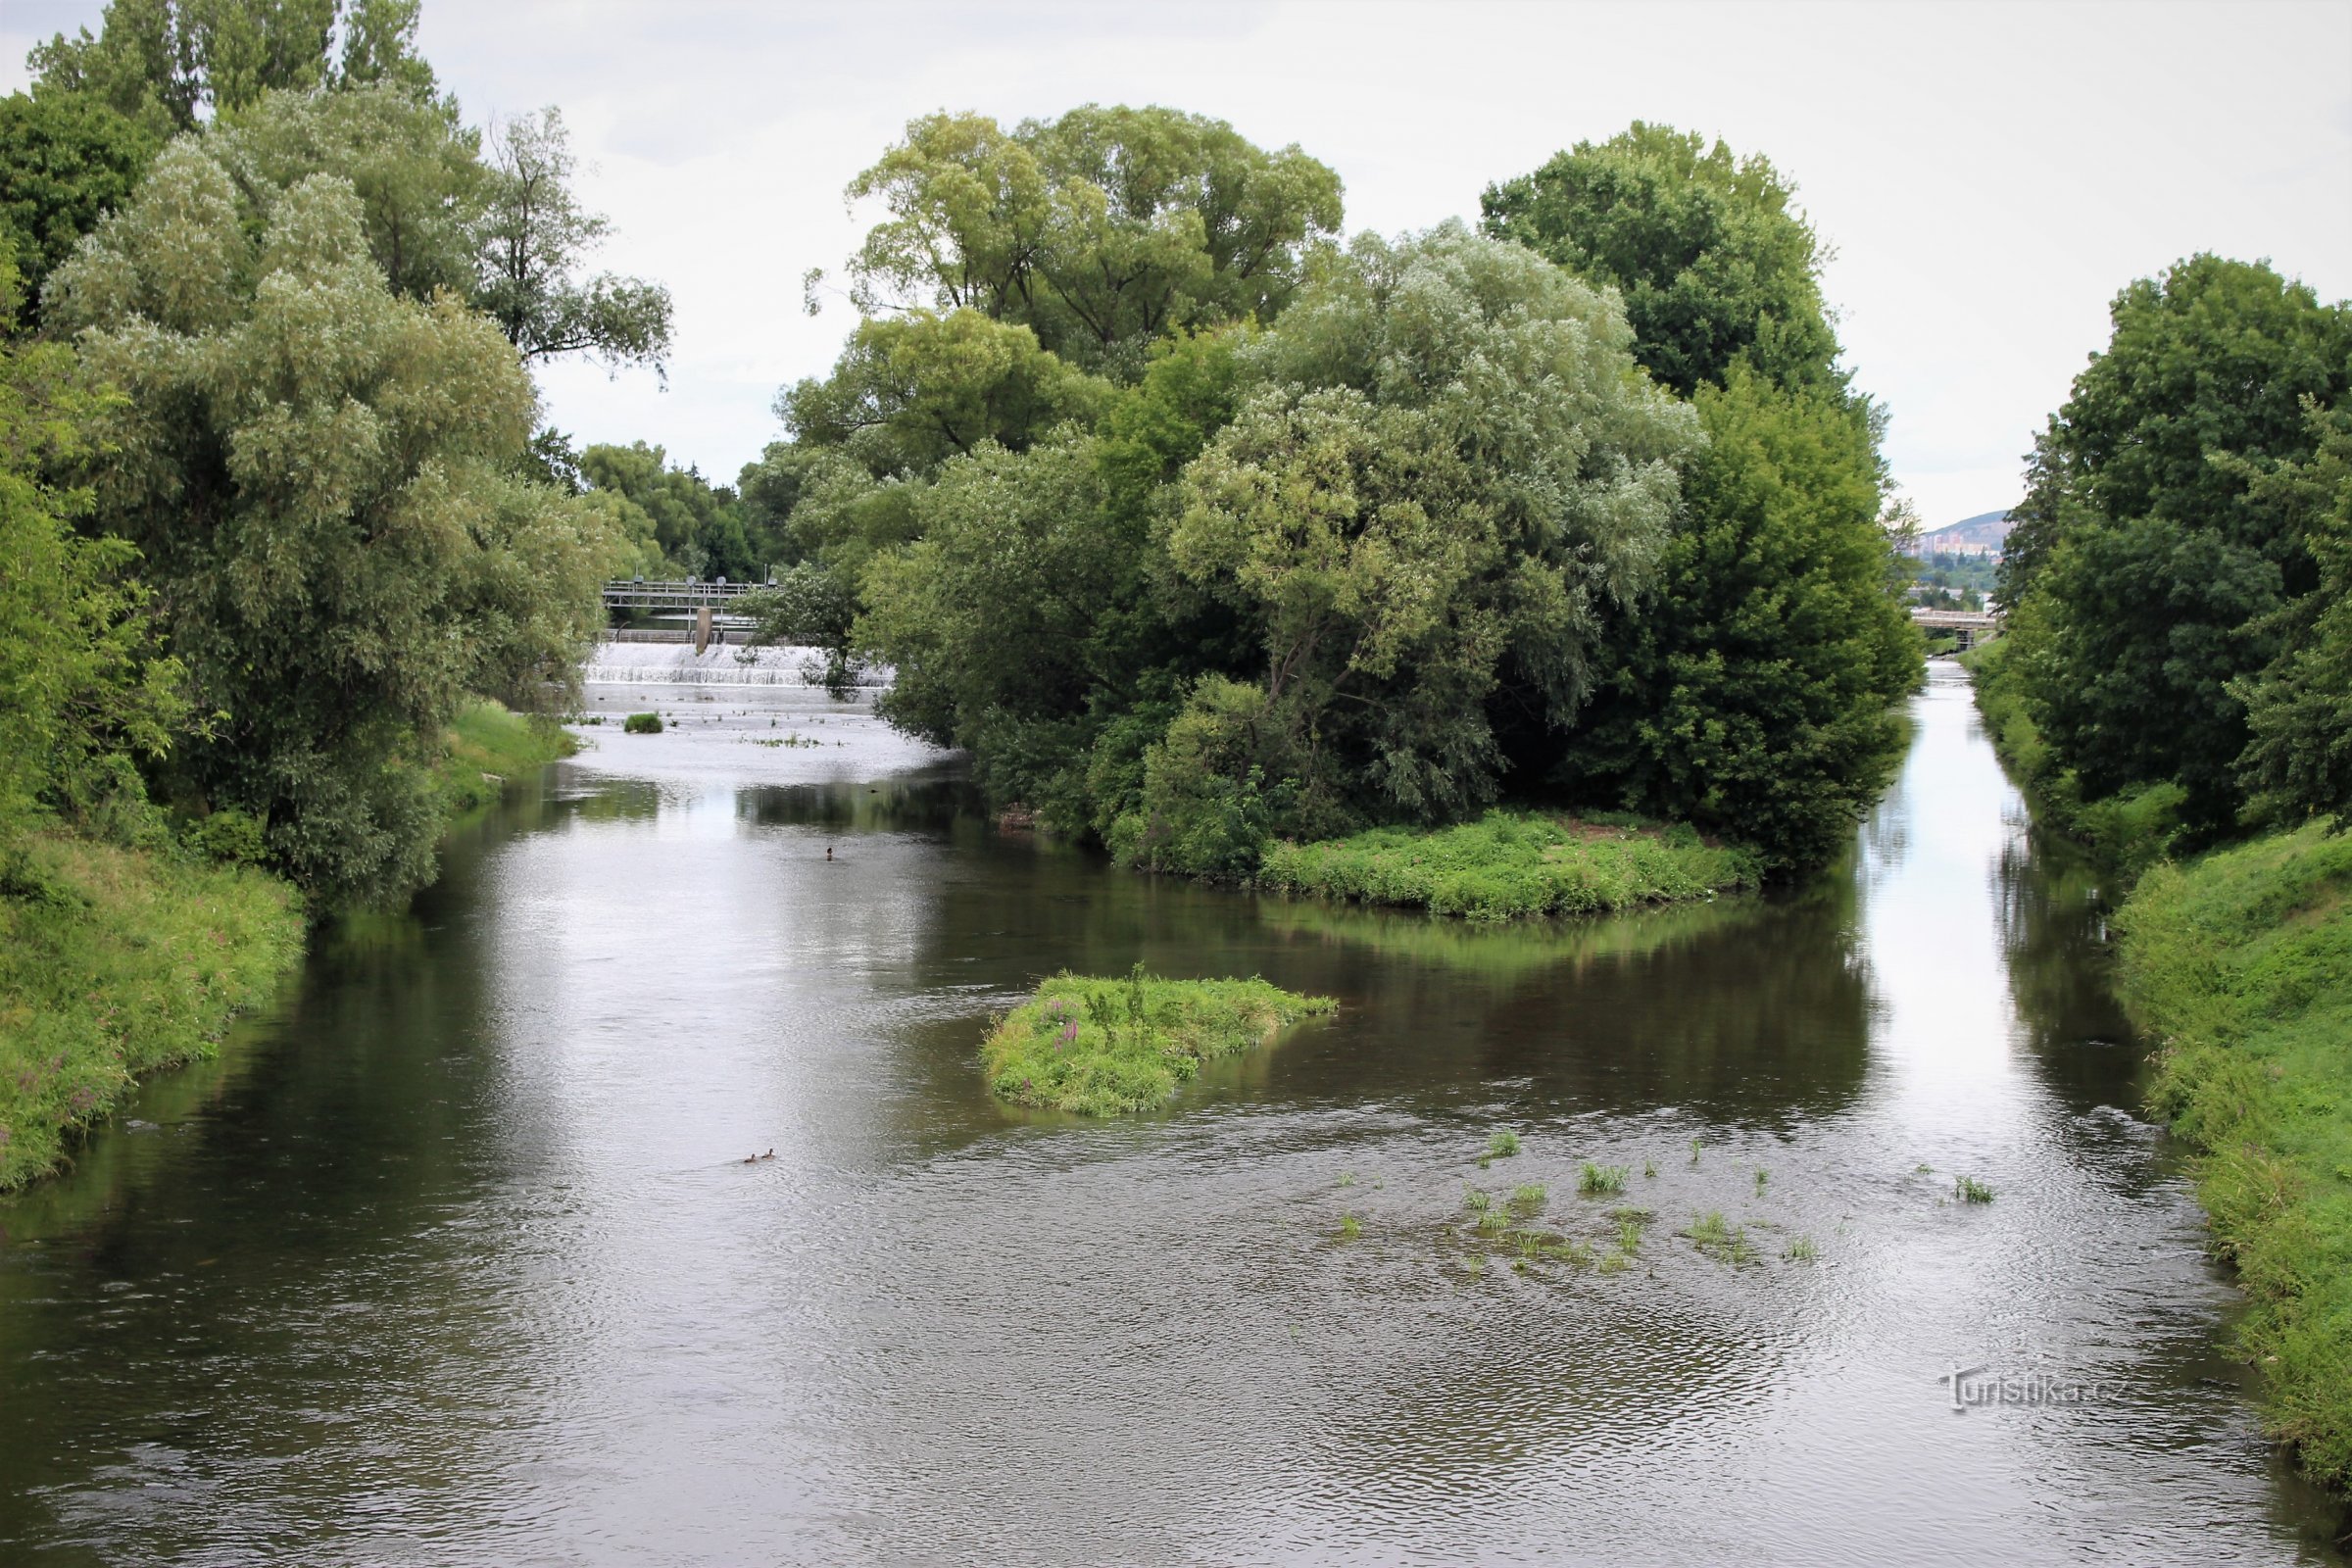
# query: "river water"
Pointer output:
{"type": "Point", "coordinates": [453, 1256]}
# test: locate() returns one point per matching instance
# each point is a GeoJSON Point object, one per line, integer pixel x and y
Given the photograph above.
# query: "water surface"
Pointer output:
{"type": "Point", "coordinates": [454, 1257]}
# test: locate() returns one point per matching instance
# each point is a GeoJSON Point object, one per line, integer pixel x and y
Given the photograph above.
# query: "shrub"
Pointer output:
{"type": "Point", "coordinates": [642, 725]}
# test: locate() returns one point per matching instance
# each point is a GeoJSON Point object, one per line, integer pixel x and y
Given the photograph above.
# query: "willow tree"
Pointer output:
{"type": "Point", "coordinates": [317, 474]}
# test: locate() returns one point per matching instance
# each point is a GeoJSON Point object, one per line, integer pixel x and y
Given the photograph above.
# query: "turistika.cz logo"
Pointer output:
{"type": "Point", "coordinates": [1973, 1390]}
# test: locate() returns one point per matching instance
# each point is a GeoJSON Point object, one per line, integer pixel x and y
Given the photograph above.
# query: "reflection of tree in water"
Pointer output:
{"type": "Point", "coordinates": [2053, 931]}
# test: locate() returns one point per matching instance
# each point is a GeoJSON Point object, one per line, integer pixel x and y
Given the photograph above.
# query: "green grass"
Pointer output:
{"type": "Point", "coordinates": [642, 725]}
{"type": "Point", "coordinates": [1510, 864]}
{"type": "Point", "coordinates": [131, 961]}
{"type": "Point", "coordinates": [2240, 964]}
{"type": "Point", "coordinates": [1802, 1250]}
{"type": "Point", "coordinates": [1969, 1190]}
{"type": "Point", "coordinates": [1479, 1201]}
{"type": "Point", "coordinates": [1494, 1221]}
{"type": "Point", "coordinates": [1595, 1179]}
{"type": "Point", "coordinates": [489, 743]}
{"type": "Point", "coordinates": [1530, 1198]}
{"type": "Point", "coordinates": [1629, 1235]}
{"type": "Point", "coordinates": [1502, 1146]}
{"type": "Point", "coordinates": [1102, 1047]}
{"type": "Point", "coordinates": [1719, 1240]}
{"type": "Point", "coordinates": [1350, 1227]}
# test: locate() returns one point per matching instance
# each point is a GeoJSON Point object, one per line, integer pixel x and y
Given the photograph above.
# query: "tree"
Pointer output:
{"type": "Point", "coordinates": [65, 161]}
{"type": "Point", "coordinates": [163, 63]}
{"type": "Point", "coordinates": [697, 528]}
{"type": "Point", "coordinates": [1447, 485]}
{"type": "Point", "coordinates": [1716, 263]}
{"type": "Point", "coordinates": [82, 688]}
{"type": "Point", "coordinates": [1099, 231]}
{"type": "Point", "coordinates": [320, 475]}
{"type": "Point", "coordinates": [2155, 569]}
{"type": "Point", "coordinates": [1755, 693]}
{"type": "Point", "coordinates": [909, 392]}
{"type": "Point", "coordinates": [2298, 762]}
{"type": "Point", "coordinates": [534, 241]}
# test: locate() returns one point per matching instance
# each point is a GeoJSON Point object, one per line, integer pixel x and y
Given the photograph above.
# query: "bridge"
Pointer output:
{"type": "Point", "coordinates": [1970, 626]}
{"type": "Point", "coordinates": [700, 606]}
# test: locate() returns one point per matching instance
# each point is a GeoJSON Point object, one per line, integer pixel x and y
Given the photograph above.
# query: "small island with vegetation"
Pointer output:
{"type": "Point", "coordinates": [1106, 1048]}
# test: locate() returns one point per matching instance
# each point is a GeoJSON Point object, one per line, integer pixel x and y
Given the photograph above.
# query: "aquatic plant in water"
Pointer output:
{"type": "Point", "coordinates": [1969, 1190]}
{"type": "Point", "coordinates": [1594, 1179]}
{"type": "Point", "coordinates": [1502, 1146]}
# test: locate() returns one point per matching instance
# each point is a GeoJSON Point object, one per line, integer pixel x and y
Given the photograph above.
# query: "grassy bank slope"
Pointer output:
{"type": "Point", "coordinates": [130, 961]}
{"type": "Point", "coordinates": [1512, 864]}
{"type": "Point", "coordinates": [2241, 963]}
{"type": "Point", "coordinates": [1102, 1047]}
{"type": "Point", "coordinates": [488, 744]}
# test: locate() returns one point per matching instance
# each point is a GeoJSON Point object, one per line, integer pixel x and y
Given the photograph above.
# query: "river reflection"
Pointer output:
{"type": "Point", "coordinates": [455, 1258]}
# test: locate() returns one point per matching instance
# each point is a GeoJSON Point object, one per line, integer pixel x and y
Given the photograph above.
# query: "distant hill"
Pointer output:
{"type": "Point", "coordinates": [1980, 535]}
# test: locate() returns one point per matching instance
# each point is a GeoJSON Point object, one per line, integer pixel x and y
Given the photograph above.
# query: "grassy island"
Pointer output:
{"type": "Point", "coordinates": [1513, 864]}
{"type": "Point", "coordinates": [1104, 1047]}
{"type": "Point", "coordinates": [2241, 965]}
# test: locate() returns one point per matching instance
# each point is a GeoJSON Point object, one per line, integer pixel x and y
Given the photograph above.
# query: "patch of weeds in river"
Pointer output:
{"type": "Point", "coordinates": [1616, 1263]}
{"type": "Point", "coordinates": [1628, 1234]}
{"type": "Point", "coordinates": [1720, 1239]}
{"type": "Point", "coordinates": [642, 725]}
{"type": "Point", "coordinates": [1649, 1169]}
{"type": "Point", "coordinates": [1346, 1178]}
{"type": "Point", "coordinates": [1922, 1169]}
{"type": "Point", "coordinates": [1494, 1221]}
{"type": "Point", "coordinates": [1475, 1265]}
{"type": "Point", "coordinates": [1595, 1180]}
{"type": "Point", "coordinates": [1694, 1151]}
{"type": "Point", "coordinates": [1762, 1176]}
{"type": "Point", "coordinates": [1478, 1200]}
{"type": "Point", "coordinates": [1350, 1227]}
{"type": "Point", "coordinates": [1530, 1243]}
{"type": "Point", "coordinates": [1969, 1190]}
{"type": "Point", "coordinates": [1801, 1251]}
{"type": "Point", "coordinates": [1574, 1253]}
{"type": "Point", "coordinates": [1530, 1198]}
{"type": "Point", "coordinates": [1502, 1146]}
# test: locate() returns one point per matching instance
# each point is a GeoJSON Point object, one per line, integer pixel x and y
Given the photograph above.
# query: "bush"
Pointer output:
{"type": "Point", "coordinates": [642, 725]}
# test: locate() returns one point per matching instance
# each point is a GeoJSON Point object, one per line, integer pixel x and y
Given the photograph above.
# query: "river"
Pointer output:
{"type": "Point", "coordinates": [453, 1256]}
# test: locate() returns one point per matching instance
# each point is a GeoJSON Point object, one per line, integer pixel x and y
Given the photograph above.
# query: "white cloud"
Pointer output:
{"type": "Point", "coordinates": [1990, 174]}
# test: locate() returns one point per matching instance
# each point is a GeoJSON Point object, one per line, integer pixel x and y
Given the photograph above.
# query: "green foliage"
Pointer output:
{"type": "Point", "coordinates": [65, 161]}
{"type": "Point", "coordinates": [697, 529]}
{"type": "Point", "coordinates": [320, 477]}
{"type": "Point", "coordinates": [486, 745]}
{"type": "Point", "coordinates": [2298, 762]}
{"type": "Point", "coordinates": [1756, 694]}
{"type": "Point", "coordinates": [1100, 1048]}
{"type": "Point", "coordinates": [913, 390]}
{"type": "Point", "coordinates": [82, 688]}
{"type": "Point", "coordinates": [1969, 1190]}
{"type": "Point", "coordinates": [1449, 478]}
{"type": "Point", "coordinates": [163, 61]}
{"type": "Point", "coordinates": [1595, 1180]}
{"type": "Point", "coordinates": [1510, 864]}
{"type": "Point", "coordinates": [1716, 265]}
{"type": "Point", "coordinates": [2241, 965]}
{"type": "Point", "coordinates": [2153, 566]}
{"type": "Point", "coordinates": [1101, 231]}
{"type": "Point", "coordinates": [1501, 1145]}
{"type": "Point", "coordinates": [136, 960]}
{"type": "Point", "coordinates": [642, 725]}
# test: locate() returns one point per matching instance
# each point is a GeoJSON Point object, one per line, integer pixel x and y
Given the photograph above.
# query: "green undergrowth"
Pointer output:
{"type": "Point", "coordinates": [1509, 864]}
{"type": "Point", "coordinates": [2126, 833]}
{"type": "Point", "coordinates": [486, 745]}
{"type": "Point", "coordinates": [2241, 964]}
{"type": "Point", "coordinates": [122, 961]}
{"type": "Point", "coordinates": [1102, 1047]}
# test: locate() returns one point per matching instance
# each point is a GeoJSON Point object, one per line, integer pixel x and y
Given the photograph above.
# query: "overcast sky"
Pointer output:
{"type": "Point", "coordinates": [1990, 175]}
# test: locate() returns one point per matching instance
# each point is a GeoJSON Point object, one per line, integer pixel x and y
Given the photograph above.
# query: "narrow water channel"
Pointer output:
{"type": "Point", "coordinates": [455, 1257]}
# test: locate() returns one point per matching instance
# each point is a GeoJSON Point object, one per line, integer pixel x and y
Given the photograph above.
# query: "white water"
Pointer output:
{"type": "Point", "coordinates": [719, 664]}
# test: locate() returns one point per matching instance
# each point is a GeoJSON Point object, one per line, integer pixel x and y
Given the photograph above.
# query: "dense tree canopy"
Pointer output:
{"type": "Point", "coordinates": [65, 161]}
{"type": "Point", "coordinates": [1099, 231]}
{"type": "Point", "coordinates": [2148, 565]}
{"type": "Point", "coordinates": [1716, 263]}
{"type": "Point", "coordinates": [691, 528]}
{"type": "Point", "coordinates": [320, 476]}
{"type": "Point", "coordinates": [169, 64]}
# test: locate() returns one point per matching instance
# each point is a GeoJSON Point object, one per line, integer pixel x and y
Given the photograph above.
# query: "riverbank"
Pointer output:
{"type": "Point", "coordinates": [127, 962]}
{"type": "Point", "coordinates": [130, 961]}
{"type": "Point", "coordinates": [1102, 1047]}
{"type": "Point", "coordinates": [2241, 965]}
{"type": "Point", "coordinates": [1512, 865]}
{"type": "Point", "coordinates": [2125, 833]}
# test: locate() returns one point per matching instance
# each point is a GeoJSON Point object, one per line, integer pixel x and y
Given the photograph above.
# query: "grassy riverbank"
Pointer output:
{"type": "Point", "coordinates": [1100, 1048]}
{"type": "Point", "coordinates": [2241, 965]}
{"type": "Point", "coordinates": [1513, 864]}
{"type": "Point", "coordinates": [2126, 833]}
{"type": "Point", "coordinates": [488, 744]}
{"type": "Point", "coordinates": [125, 961]}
